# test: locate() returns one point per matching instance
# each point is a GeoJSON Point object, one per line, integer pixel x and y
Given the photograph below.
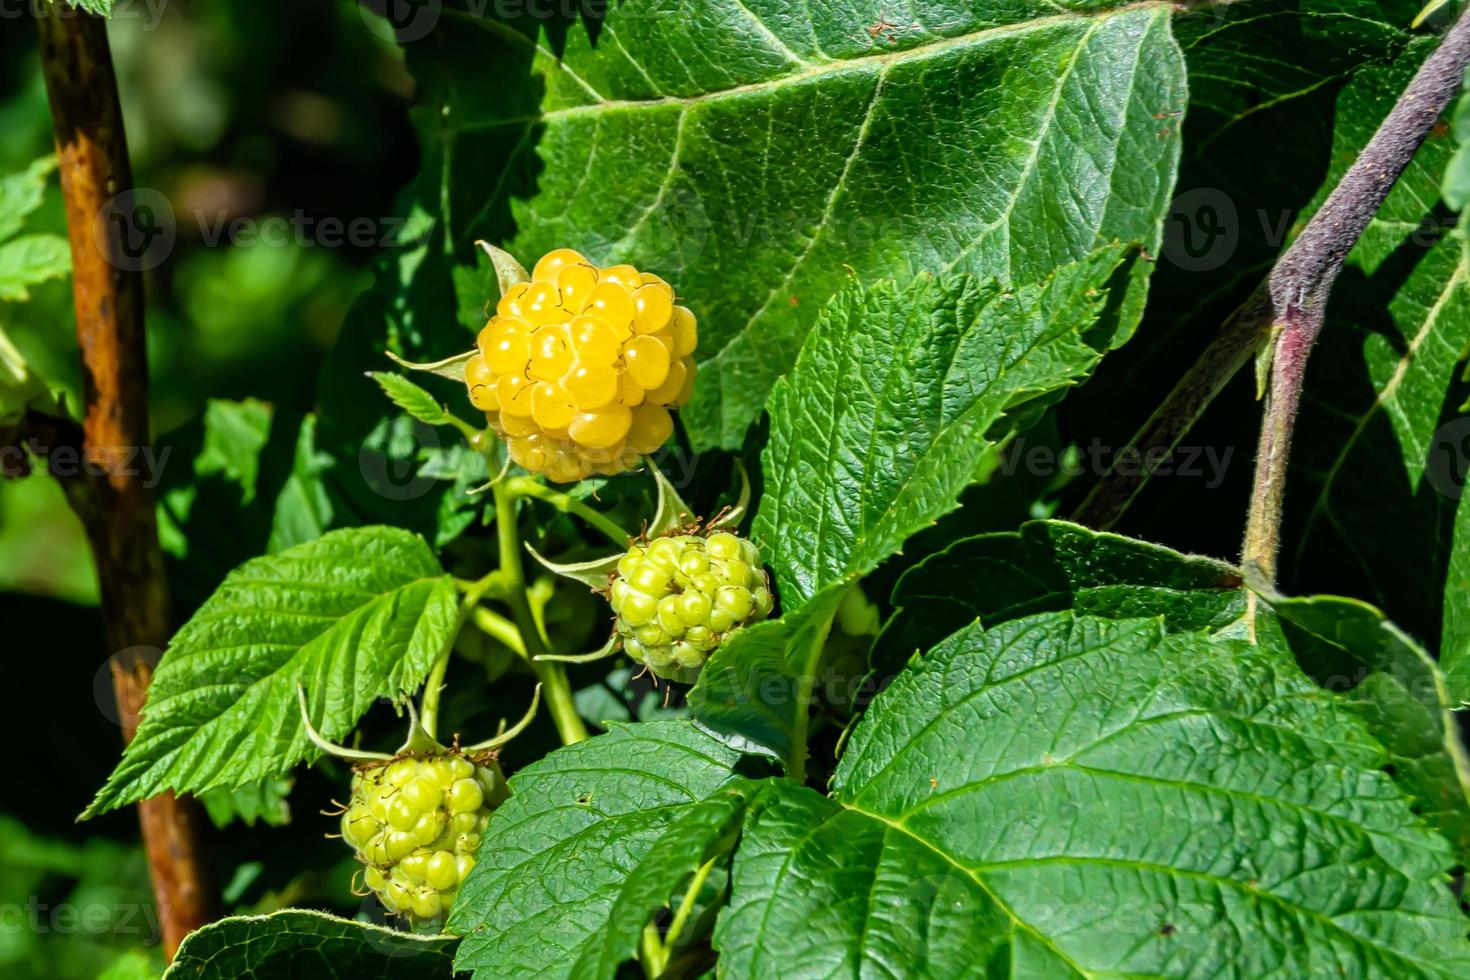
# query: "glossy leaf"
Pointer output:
{"type": "Point", "coordinates": [353, 616]}
{"type": "Point", "coordinates": [302, 943]}
{"type": "Point", "coordinates": [1374, 668]}
{"type": "Point", "coordinates": [753, 154]}
{"type": "Point", "coordinates": [408, 396]}
{"type": "Point", "coordinates": [1053, 565]}
{"type": "Point", "coordinates": [1067, 796]}
{"type": "Point", "coordinates": [876, 431]}
{"type": "Point", "coordinates": [557, 857]}
{"type": "Point", "coordinates": [758, 687]}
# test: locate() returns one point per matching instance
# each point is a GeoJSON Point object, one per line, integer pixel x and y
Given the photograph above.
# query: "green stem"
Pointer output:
{"type": "Point", "coordinates": [686, 904]}
{"type": "Point", "coordinates": [525, 486]}
{"type": "Point", "coordinates": [801, 723]}
{"type": "Point", "coordinates": [555, 687]}
{"type": "Point", "coordinates": [498, 627]}
{"type": "Point", "coordinates": [429, 710]}
{"type": "Point", "coordinates": [651, 952]}
{"type": "Point", "coordinates": [470, 433]}
{"type": "Point", "coordinates": [434, 686]}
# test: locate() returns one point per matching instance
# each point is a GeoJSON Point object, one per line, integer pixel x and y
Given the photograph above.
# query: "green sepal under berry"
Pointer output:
{"type": "Point", "coordinates": [670, 514]}
{"type": "Point", "coordinates": [676, 598]}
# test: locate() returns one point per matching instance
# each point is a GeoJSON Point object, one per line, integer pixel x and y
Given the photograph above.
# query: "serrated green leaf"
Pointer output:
{"type": "Point", "coordinates": [1398, 690]}
{"type": "Point", "coordinates": [556, 856]}
{"type": "Point", "coordinates": [303, 943]}
{"type": "Point", "coordinates": [1348, 647]}
{"type": "Point", "coordinates": [264, 802]}
{"type": "Point", "coordinates": [758, 686]}
{"type": "Point", "coordinates": [1454, 649]}
{"type": "Point", "coordinates": [752, 155]}
{"type": "Point", "coordinates": [1455, 185]}
{"type": "Point", "coordinates": [876, 431]}
{"type": "Point", "coordinates": [29, 260]}
{"type": "Point", "coordinates": [304, 507]}
{"type": "Point", "coordinates": [408, 396]}
{"type": "Point", "coordinates": [354, 616]}
{"type": "Point", "coordinates": [1054, 565]}
{"type": "Point", "coordinates": [217, 478]}
{"type": "Point", "coordinates": [102, 8]}
{"type": "Point", "coordinates": [707, 829]}
{"type": "Point", "coordinates": [1068, 796]}
{"type": "Point", "coordinates": [22, 193]}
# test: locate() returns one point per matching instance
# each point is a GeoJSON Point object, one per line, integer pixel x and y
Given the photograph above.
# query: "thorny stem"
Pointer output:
{"type": "Point", "coordinates": [525, 486]}
{"type": "Point", "coordinates": [116, 508]}
{"type": "Point", "coordinates": [555, 687]}
{"type": "Point", "coordinates": [1288, 311]}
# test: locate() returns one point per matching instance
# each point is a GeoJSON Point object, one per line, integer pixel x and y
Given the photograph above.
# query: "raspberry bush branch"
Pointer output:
{"type": "Point", "coordinates": [1302, 280]}
{"type": "Point", "coordinates": [1287, 312]}
{"type": "Point", "coordinates": [117, 509]}
{"type": "Point", "coordinates": [553, 677]}
{"type": "Point", "coordinates": [434, 685]}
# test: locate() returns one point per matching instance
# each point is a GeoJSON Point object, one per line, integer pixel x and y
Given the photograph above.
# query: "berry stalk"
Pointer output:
{"type": "Point", "coordinates": [116, 508]}
{"type": "Point", "coordinates": [434, 684]}
{"type": "Point", "coordinates": [527, 486]}
{"type": "Point", "coordinates": [553, 677]}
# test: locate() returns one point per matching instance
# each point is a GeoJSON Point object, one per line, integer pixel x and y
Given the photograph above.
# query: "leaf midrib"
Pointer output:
{"type": "Point", "coordinates": [351, 615]}
{"type": "Point", "coordinates": [861, 558]}
{"type": "Point", "coordinates": [974, 874]}
{"type": "Point", "coordinates": [859, 64]}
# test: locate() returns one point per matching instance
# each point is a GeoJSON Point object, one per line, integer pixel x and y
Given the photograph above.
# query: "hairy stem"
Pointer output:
{"type": "Point", "coordinates": [116, 508]}
{"type": "Point", "coordinates": [1302, 281]}
{"type": "Point", "coordinates": [1288, 311]}
{"type": "Point", "coordinates": [525, 486]}
{"type": "Point", "coordinates": [555, 687]}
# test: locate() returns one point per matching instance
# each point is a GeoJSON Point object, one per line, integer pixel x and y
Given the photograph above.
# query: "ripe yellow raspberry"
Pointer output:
{"type": "Point", "coordinates": [579, 366]}
{"type": "Point", "coordinates": [676, 598]}
{"type": "Point", "coordinates": [415, 824]}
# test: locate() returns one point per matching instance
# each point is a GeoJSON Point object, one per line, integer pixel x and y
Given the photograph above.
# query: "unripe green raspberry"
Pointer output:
{"type": "Point", "coordinates": [415, 823]}
{"type": "Point", "coordinates": [679, 597]}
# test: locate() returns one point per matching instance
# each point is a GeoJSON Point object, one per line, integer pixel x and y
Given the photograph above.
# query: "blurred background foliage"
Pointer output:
{"type": "Point", "coordinates": [258, 109]}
